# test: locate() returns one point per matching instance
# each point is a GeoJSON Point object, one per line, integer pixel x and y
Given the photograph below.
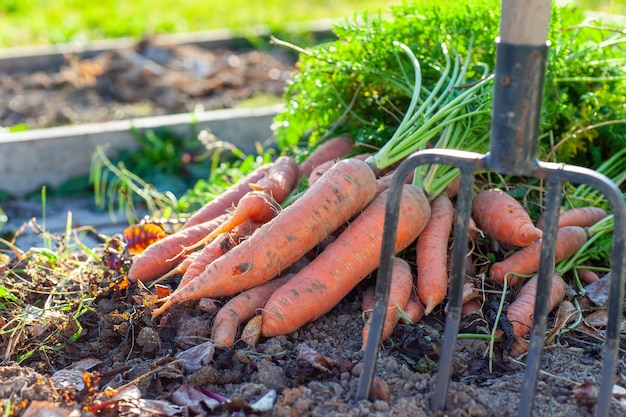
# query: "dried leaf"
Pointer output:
{"type": "Point", "coordinates": [196, 357]}
{"type": "Point", "coordinates": [469, 292]}
{"type": "Point", "coordinates": [127, 401]}
{"type": "Point", "coordinates": [68, 380]}
{"type": "Point", "coordinates": [139, 236]}
{"type": "Point", "coordinates": [565, 314]}
{"type": "Point", "coordinates": [597, 319]}
{"type": "Point", "coordinates": [598, 292]}
{"type": "Point", "coordinates": [315, 359]}
{"type": "Point", "coordinates": [252, 331]}
{"type": "Point", "coordinates": [194, 400]}
{"type": "Point", "coordinates": [162, 291]}
{"type": "Point", "coordinates": [585, 390]}
{"type": "Point", "coordinates": [312, 364]}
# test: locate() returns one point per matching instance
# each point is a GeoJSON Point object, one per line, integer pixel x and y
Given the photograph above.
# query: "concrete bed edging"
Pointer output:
{"type": "Point", "coordinates": [31, 159]}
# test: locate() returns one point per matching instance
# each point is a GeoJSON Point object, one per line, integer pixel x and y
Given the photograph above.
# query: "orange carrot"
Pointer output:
{"type": "Point", "coordinates": [227, 199]}
{"type": "Point", "coordinates": [319, 170]}
{"type": "Point", "coordinates": [280, 180]}
{"type": "Point", "coordinates": [587, 276]}
{"type": "Point", "coordinates": [181, 268]}
{"type": "Point", "coordinates": [218, 247]}
{"type": "Point", "coordinates": [257, 206]}
{"type": "Point", "coordinates": [240, 308]}
{"type": "Point", "coordinates": [520, 311]}
{"type": "Point", "coordinates": [401, 287]}
{"type": "Point", "coordinates": [332, 149]}
{"type": "Point", "coordinates": [526, 260]}
{"type": "Point", "coordinates": [580, 216]}
{"type": "Point", "coordinates": [432, 254]}
{"type": "Point", "coordinates": [343, 191]}
{"type": "Point", "coordinates": [165, 254]}
{"type": "Point", "coordinates": [474, 231]}
{"type": "Point", "coordinates": [503, 218]}
{"type": "Point", "coordinates": [368, 299]}
{"type": "Point", "coordinates": [414, 309]}
{"type": "Point", "coordinates": [472, 306]}
{"type": "Point", "coordinates": [453, 188]}
{"type": "Point", "coordinates": [322, 284]}
{"type": "Point", "coordinates": [385, 180]}
{"type": "Point", "coordinates": [262, 204]}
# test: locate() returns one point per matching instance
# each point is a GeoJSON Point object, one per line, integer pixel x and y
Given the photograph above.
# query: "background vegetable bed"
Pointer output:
{"type": "Point", "coordinates": [315, 367]}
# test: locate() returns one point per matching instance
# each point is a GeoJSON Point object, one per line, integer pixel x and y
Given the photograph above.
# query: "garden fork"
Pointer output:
{"type": "Point", "coordinates": [521, 56]}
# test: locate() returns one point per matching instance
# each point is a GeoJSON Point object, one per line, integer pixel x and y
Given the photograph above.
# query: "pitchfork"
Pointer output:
{"type": "Point", "coordinates": [519, 75]}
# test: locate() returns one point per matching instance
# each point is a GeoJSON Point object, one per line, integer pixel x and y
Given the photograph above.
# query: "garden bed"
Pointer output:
{"type": "Point", "coordinates": [58, 103]}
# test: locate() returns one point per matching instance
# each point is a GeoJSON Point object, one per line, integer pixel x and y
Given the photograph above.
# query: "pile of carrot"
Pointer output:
{"type": "Point", "coordinates": [288, 266]}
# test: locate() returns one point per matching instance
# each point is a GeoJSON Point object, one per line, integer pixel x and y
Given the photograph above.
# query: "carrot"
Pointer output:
{"type": "Point", "coordinates": [257, 206]}
{"type": "Point", "coordinates": [330, 150]}
{"type": "Point", "coordinates": [385, 180]}
{"type": "Point", "coordinates": [218, 247]}
{"type": "Point", "coordinates": [401, 287]}
{"type": "Point", "coordinates": [343, 191]}
{"type": "Point", "coordinates": [503, 218]}
{"type": "Point", "coordinates": [453, 188]}
{"type": "Point", "coordinates": [470, 307]}
{"type": "Point", "coordinates": [579, 216]}
{"type": "Point", "coordinates": [262, 204]}
{"type": "Point", "coordinates": [319, 286]}
{"type": "Point", "coordinates": [526, 260]}
{"type": "Point", "coordinates": [520, 311]}
{"type": "Point", "coordinates": [319, 170]}
{"type": "Point", "coordinates": [181, 268]}
{"type": "Point", "coordinates": [431, 253]}
{"type": "Point", "coordinates": [368, 299]}
{"type": "Point", "coordinates": [240, 308]}
{"type": "Point", "coordinates": [227, 199]}
{"type": "Point", "coordinates": [165, 254]}
{"type": "Point", "coordinates": [414, 309]}
{"type": "Point", "coordinates": [587, 276]}
{"type": "Point", "coordinates": [474, 231]}
{"type": "Point", "coordinates": [280, 180]}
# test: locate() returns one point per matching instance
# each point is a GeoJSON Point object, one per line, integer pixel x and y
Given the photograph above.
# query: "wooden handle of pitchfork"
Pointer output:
{"type": "Point", "coordinates": [525, 22]}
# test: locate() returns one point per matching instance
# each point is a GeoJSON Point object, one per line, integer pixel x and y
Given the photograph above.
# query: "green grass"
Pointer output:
{"type": "Point", "coordinates": [32, 22]}
{"type": "Point", "coordinates": [36, 22]}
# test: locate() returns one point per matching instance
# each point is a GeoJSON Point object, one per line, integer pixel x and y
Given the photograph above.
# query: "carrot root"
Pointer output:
{"type": "Point", "coordinates": [579, 216]}
{"type": "Point", "coordinates": [526, 260]}
{"type": "Point", "coordinates": [227, 199]}
{"type": "Point", "coordinates": [330, 150]}
{"type": "Point", "coordinates": [432, 254]}
{"type": "Point", "coordinates": [401, 288]}
{"type": "Point", "coordinates": [503, 218]}
{"type": "Point", "coordinates": [218, 247]}
{"type": "Point", "coordinates": [520, 311]}
{"type": "Point", "coordinates": [341, 193]}
{"type": "Point", "coordinates": [240, 308]}
{"type": "Point", "coordinates": [322, 284]}
{"type": "Point", "coordinates": [163, 255]}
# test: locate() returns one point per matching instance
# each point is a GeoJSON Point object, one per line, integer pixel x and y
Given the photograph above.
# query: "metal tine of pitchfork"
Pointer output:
{"type": "Point", "coordinates": [520, 70]}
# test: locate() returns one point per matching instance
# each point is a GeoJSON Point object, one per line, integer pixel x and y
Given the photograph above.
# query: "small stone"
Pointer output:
{"type": "Point", "coordinates": [148, 339]}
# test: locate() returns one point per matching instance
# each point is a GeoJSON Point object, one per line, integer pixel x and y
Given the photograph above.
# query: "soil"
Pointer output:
{"type": "Point", "coordinates": [106, 356]}
{"type": "Point", "coordinates": [149, 80]}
